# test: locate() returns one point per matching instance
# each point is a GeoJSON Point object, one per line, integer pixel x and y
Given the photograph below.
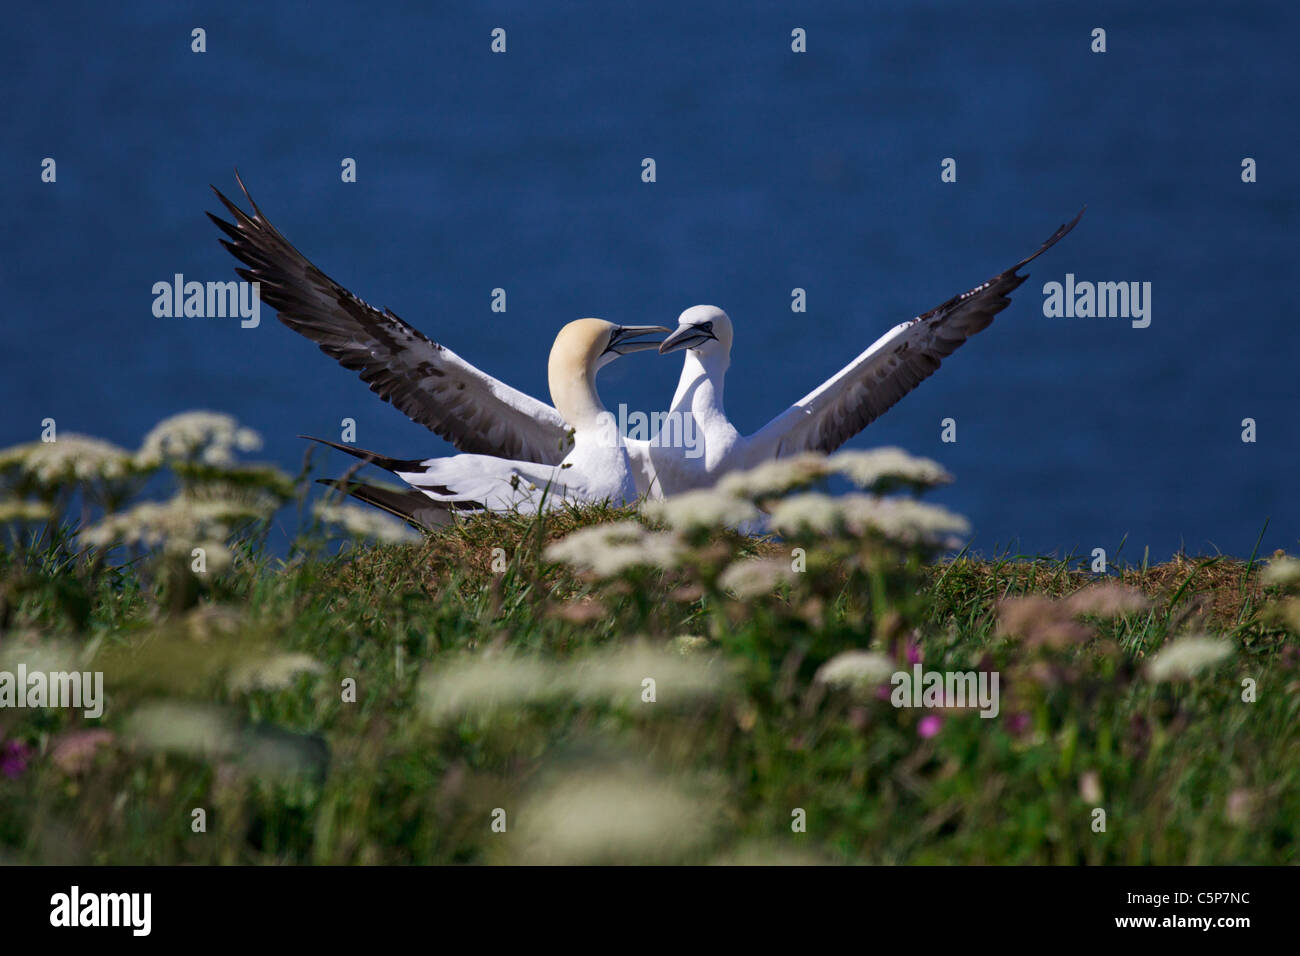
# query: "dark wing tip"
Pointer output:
{"type": "Point", "coordinates": [373, 457]}
{"type": "Point", "coordinates": [1061, 232]}
{"type": "Point", "coordinates": [247, 194]}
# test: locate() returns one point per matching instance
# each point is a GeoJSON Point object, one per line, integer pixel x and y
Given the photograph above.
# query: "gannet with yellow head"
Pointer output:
{"type": "Point", "coordinates": [426, 381]}
{"type": "Point", "coordinates": [595, 469]}
{"type": "Point", "coordinates": [480, 414]}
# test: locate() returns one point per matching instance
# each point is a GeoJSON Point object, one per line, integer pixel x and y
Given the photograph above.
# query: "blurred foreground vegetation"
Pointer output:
{"type": "Point", "coordinates": [603, 685]}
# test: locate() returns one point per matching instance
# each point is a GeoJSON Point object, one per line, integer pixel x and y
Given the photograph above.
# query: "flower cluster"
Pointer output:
{"type": "Point", "coordinates": [1185, 657]}
{"type": "Point", "coordinates": [72, 458]}
{"type": "Point", "coordinates": [207, 437]}
{"type": "Point", "coordinates": [704, 509]}
{"type": "Point", "coordinates": [177, 526]}
{"type": "Point", "coordinates": [17, 510]}
{"type": "Point", "coordinates": [862, 672]}
{"type": "Point", "coordinates": [753, 577]}
{"type": "Point", "coordinates": [880, 470]}
{"type": "Point", "coordinates": [899, 520]}
{"type": "Point", "coordinates": [608, 550]}
{"type": "Point", "coordinates": [484, 683]}
{"type": "Point", "coordinates": [761, 499]}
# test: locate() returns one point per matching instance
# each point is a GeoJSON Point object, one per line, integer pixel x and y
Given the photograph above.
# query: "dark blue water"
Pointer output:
{"type": "Point", "coordinates": [775, 171]}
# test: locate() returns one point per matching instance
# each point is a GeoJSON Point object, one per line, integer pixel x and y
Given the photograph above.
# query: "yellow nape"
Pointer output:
{"type": "Point", "coordinates": [571, 370]}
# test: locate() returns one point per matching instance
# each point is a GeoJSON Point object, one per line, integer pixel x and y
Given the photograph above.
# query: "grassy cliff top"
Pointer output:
{"type": "Point", "coordinates": [393, 703]}
{"type": "Point", "coordinates": [615, 685]}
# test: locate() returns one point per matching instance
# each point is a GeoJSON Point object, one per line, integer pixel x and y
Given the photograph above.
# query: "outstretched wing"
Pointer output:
{"type": "Point", "coordinates": [431, 384]}
{"type": "Point", "coordinates": [894, 365]}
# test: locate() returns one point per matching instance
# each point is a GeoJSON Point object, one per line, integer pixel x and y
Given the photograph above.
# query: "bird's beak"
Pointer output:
{"type": "Point", "coordinates": [686, 337]}
{"type": "Point", "coordinates": [619, 342]}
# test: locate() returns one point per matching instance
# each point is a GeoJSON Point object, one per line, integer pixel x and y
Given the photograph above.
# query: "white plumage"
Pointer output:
{"type": "Point", "coordinates": [833, 412]}
{"type": "Point", "coordinates": [520, 451]}
{"type": "Point", "coordinates": [595, 469]}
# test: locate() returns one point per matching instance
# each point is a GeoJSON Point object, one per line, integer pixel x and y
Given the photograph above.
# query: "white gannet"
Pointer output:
{"type": "Point", "coordinates": [595, 469]}
{"type": "Point", "coordinates": [429, 383]}
{"type": "Point", "coordinates": [832, 413]}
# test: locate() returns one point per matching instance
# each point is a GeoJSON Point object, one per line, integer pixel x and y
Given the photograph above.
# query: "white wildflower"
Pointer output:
{"type": "Point", "coordinates": [216, 733]}
{"type": "Point", "coordinates": [204, 730]}
{"type": "Point", "coordinates": [613, 816]}
{"type": "Point", "coordinates": [11, 511]}
{"type": "Point", "coordinates": [706, 508]}
{"type": "Point", "coordinates": [1281, 572]}
{"type": "Point", "coordinates": [248, 440]}
{"type": "Point", "coordinates": [482, 684]}
{"type": "Point", "coordinates": [1186, 657]}
{"type": "Point", "coordinates": [365, 523]}
{"type": "Point", "coordinates": [755, 577]}
{"type": "Point", "coordinates": [811, 511]}
{"type": "Point", "coordinates": [210, 437]}
{"type": "Point", "coordinates": [775, 477]}
{"type": "Point", "coordinates": [902, 520]}
{"type": "Point", "coordinates": [610, 549]}
{"type": "Point", "coordinates": [178, 525]}
{"type": "Point", "coordinates": [273, 673]}
{"type": "Point", "coordinates": [70, 458]}
{"type": "Point", "coordinates": [859, 671]}
{"type": "Point", "coordinates": [883, 467]}
{"type": "Point", "coordinates": [614, 675]}
{"type": "Point", "coordinates": [217, 558]}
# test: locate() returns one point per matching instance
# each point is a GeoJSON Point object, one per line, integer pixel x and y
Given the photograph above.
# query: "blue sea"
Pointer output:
{"type": "Point", "coordinates": [775, 170]}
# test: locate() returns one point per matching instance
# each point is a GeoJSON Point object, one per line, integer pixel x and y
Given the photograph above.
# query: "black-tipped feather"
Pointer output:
{"type": "Point", "coordinates": [373, 457]}
{"type": "Point", "coordinates": [429, 383]}
{"type": "Point", "coordinates": [907, 355]}
{"type": "Point", "coordinates": [416, 509]}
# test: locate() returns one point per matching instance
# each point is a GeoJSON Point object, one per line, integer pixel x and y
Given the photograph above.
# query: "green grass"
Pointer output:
{"type": "Point", "coordinates": [1185, 771]}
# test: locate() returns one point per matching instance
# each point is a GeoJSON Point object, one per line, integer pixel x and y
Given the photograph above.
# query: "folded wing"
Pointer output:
{"type": "Point", "coordinates": [494, 484]}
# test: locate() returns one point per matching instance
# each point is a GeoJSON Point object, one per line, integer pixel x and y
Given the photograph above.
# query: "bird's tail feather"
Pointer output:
{"type": "Point", "coordinates": [373, 457]}
{"type": "Point", "coordinates": [413, 507]}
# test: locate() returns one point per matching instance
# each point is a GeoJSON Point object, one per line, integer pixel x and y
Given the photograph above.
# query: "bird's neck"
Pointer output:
{"type": "Point", "coordinates": [699, 390]}
{"type": "Point", "coordinates": [573, 392]}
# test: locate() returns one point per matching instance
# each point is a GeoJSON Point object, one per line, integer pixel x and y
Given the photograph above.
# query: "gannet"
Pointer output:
{"type": "Point", "coordinates": [429, 383]}
{"type": "Point", "coordinates": [832, 413]}
{"type": "Point", "coordinates": [595, 469]}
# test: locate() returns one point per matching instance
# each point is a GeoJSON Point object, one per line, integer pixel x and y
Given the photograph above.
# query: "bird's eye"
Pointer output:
{"type": "Point", "coordinates": [706, 326]}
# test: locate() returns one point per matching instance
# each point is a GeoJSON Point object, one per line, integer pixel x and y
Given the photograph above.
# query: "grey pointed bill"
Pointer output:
{"type": "Point", "coordinates": [620, 340]}
{"type": "Point", "coordinates": [687, 337]}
